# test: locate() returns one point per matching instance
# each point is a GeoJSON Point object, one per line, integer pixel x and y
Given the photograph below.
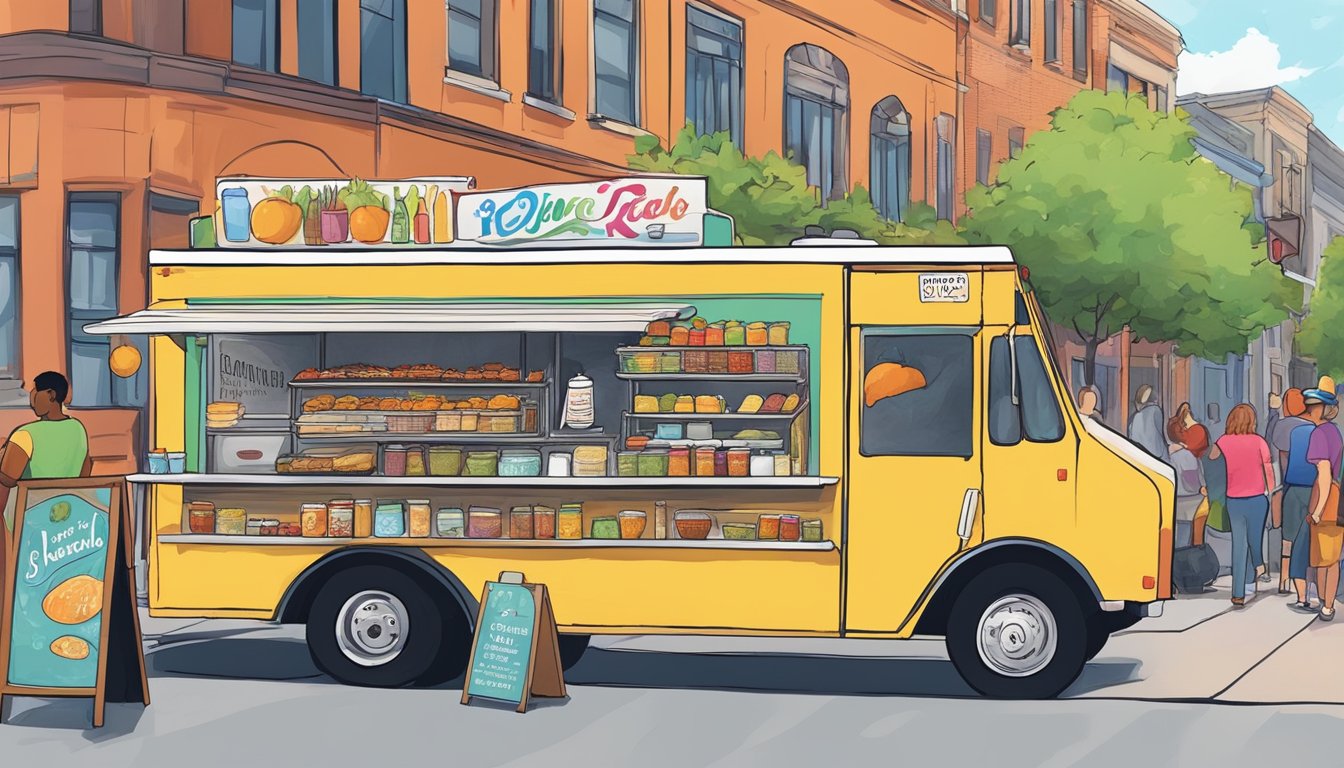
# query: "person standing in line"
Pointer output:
{"type": "Point", "coordinates": [1274, 414]}
{"type": "Point", "coordinates": [1250, 476]}
{"type": "Point", "coordinates": [1193, 435]}
{"type": "Point", "coordinates": [1288, 506]}
{"type": "Point", "coordinates": [1192, 502]}
{"type": "Point", "coordinates": [1325, 451]}
{"type": "Point", "coordinates": [1146, 426]}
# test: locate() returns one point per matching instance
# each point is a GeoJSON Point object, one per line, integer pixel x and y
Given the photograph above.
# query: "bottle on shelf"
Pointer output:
{"type": "Point", "coordinates": [660, 519]}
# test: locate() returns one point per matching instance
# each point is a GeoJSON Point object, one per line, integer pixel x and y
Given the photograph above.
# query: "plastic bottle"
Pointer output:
{"type": "Point", "coordinates": [401, 220]}
{"type": "Point", "coordinates": [421, 223]}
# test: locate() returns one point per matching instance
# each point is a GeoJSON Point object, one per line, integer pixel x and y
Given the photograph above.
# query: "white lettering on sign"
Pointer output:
{"type": "Point", "coordinates": [952, 287]}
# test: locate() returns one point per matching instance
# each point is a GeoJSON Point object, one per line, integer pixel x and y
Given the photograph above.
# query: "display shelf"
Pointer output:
{"type": "Point", "coordinates": [414, 384]}
{"type": "Point", "coordinates": [802, 407]}
{"type": "Point", "coordinates": [434, 438]}
{"type": "Point", "coordinates": [716, 544]}
{"type": "Point", "coordinates": [598, 483]}
{"type": "Point", "coordinates": [789, 378]}
{"type": "Point", "coordinates": [736, 348]}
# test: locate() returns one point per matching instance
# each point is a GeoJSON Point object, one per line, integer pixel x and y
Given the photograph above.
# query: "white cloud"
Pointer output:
{"type": "Point", "coordinates": [1254, 61]}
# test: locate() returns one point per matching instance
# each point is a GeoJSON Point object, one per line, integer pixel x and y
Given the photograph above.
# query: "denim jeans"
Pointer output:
{"type": "Point", "coordinates": [1248, 534]}
{"type": "Point", "coordinates": [1301, 559]}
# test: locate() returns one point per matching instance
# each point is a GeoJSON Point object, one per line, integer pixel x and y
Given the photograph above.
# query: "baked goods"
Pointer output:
{"type": "Point", "coordinates": [362, 461]}
{"type": "Point", "coordinates": [70, 647]}
{"type": "Point", "coordinates": [503, 403]}
{"type": "Point", "coordinates": [708, 404]}
{"type": "Point", "coordinates": [684, 404]}
{"type": "Point", "coordinates": [74, 601]}
{"type": "Point", "coordinates": [389, 404]}
{"type": "Point", "coordinates": [889, 380]}
{"type": "Point", "coordinates": [493, 371]}
{"type": "Point", "coordinates": [751, 404]}
{"type": "Point", "coordinates": [646, 404]}
{"type": "Point", "coordinates": [222, 414]}
{"type": "Point", "coordinates": [536, 377]}
{"type": "Point", "coordinates": [319, 403]}
{"type": "Point", "coordinates": [773, 404]}
{"type": "Point", "coordinates": [658, 328]}
{"type": "Point", "coordinates": [346, 403]}
{"type": "Point", "coordinates": [790, 403]}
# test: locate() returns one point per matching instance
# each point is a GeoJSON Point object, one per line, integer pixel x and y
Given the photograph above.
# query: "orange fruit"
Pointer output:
{"type": "Point", "coordinates": [276, 220]}
{"type": "Point", "coordinates": [368, 223]}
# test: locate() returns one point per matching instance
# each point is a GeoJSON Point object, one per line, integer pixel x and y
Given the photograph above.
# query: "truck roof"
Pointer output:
{"type": "Point", "coordinates": [852, 255]}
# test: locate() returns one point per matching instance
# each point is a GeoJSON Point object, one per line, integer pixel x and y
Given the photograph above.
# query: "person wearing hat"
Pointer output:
{"type": "Point", "coordinates": [1326, 453]}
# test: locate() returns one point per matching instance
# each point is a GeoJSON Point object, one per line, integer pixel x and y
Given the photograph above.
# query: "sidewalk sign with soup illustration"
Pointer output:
{"type": "Point", "coordinates": [70, 626]}
{"type": "Point", "coordinates": [516, 651]}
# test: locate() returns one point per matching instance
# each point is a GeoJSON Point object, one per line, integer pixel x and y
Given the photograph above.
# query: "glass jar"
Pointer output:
{"type": "Point", "coordinates": [569, 522]}
{"type": "Point", "coordinates": [739, 462]}
{"type": "Point", "coordinates": [632, 523]}
{"type": "Point", "coordinates": [484, 523]}
{"type": "Point", "coordinates": [679, 462]}
{"type": "Point", "coordinates": [543, 522]}
{"type": "Point", "coordinates": [313, 519]}
{"type": "Point", "coordinates": [451, 523]}
{"type": "Point", "coordinates": [445, 461]}
{"type": "Point", "coordinates": [767, 527]}
{"type": "Point", "coordinates": [270, 527]}
{"type": "Point", "coordinates": [520, 462]}
{"type": "Point", "coordinates": [389, 519]}
{"type": "Point", "coordinates": [721, 463]}
{"type": "Point", "coordinates": [394, 461]}
{"type": "Point", "coordinates": [363, 518]}
{"type": "Point", "coordinates": [782, 465]}
{"type": "Point", "coordinates": [237, 212]}
{"type": "Point", "coordinates": [789, 528]}
{"type": "Point", "coordinates": [482, 464]}
{"type": "Point", "coordinates": [812, 530]}
{"type": "Point", "coordinates": [704, 462]}
{"type": "Point", "coordinates": [520, 523]}
{"type": "Point", "coordinates": [418, 515]}
{"type": "Point", "coordinates": [415, 461]}
{"type": "Point", "coordinates": [627, 464]}
{"type": "Point", "coordinates": [606, 528]}
{"type": "Point", "coordinates": [341, 519]}
{"type": "Point", "coordinates": [653, 463]}
{"type": "Point", "coordinates": [201, 517]}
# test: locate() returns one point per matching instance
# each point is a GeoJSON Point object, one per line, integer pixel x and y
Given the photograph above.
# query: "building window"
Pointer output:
{"type": "Point", "coordinates": [93, 241]}
{"type": "Point", "coordinates": [988, 10]}
{"type": "Point", "coordinates": [616, 60]}
{"type": "Point", "coordinates": [932, 420]}
{"type": "Point", "coordinates": [1080, 49]}
{"type": "Point", "coordinates": [714, 73]}
{"type": "Point", "coordinates": [889, 157]}
{"type": "Point", "coordinates": [471, 37]}
{"type": "Point", "coordinates": [984, 155]}
{"type": "Point", "coordinates": [1021, 32]}
{"type": "Point", "coordinates": [9, 287]}
{"type": "Point", "coordinates": [1163, 102]}
{"type": "Point", "coordinates": [945, 126]}
{"type": "Point", "coordinates": [1017, 139]}
{"type": "Point", "coordinates": [1117, 79]}
{"type": "Point", "coordinates": [816, 117]}
{"type": "Point", "coordinates": [382, 49]}
{"type": "Point", "coordinates": [543, 60]}
{"type": "Point", "coordinates": [256, 43]}
{"type": "Point", "coordinates": [86, 17]}
{"type": "Point", "coordinates": [1052, 23]}
{"type": "Point", "coordinates": [317, 40]}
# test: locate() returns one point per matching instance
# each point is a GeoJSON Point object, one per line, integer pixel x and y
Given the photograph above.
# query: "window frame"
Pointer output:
{"type": "Point", "coordinates": [884, 143]}
{"type": "Point", "coordinates": [984, 155]}
{"type": "Point", "coordinates": [76, 319]}
{"type": "Point", "coordinates": [634, 71]}
{"type": "Point", "coordinates": [948, 334]}
{"type": "Point", "coordinates": [554, 39]}
{"type": "Point", "coordinates": [833, 117]}
{"type": "Point", "coordinates": [401, 64]}
{"type": "Point", "coordinates": [332, 41]}
{"type": "Point", "coordinates": [1024, 431]}
{"type": "Point", "coordinates": [96, 18]}
{"type": "Point", "coordinates": [271, 21]}
{"type": "Point", "coordinates": [13, 369]}
{"type": "Point", "coordinates": [1054, 29]}
{"type": "Point", "coordinates": [1019, 33]}
{"type": "Point", "coordinates": [991, 18]}
{"type": "Point", "coordinates": [487, 39]}
{"type": "Point", "coordinates": [736, 73]}
{"type": "Point", "coordinates": [945, 166]}
{"type": "Point", "coordinates": [1017, 141]}
{"type": "Point", "coordinates": [1081, 38]}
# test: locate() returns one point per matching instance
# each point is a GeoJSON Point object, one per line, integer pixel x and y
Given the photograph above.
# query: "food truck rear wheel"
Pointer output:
{"type": "Point", "coordinates": [1017, 631]}
{"type": "Point", "coordinates": [373, 625]}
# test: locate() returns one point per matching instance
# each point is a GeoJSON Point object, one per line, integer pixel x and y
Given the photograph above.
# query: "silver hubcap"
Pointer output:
{"type": "Point", "coordinates": [371, 628]}
{"type": "Point", "coordinates": [1017, 636]}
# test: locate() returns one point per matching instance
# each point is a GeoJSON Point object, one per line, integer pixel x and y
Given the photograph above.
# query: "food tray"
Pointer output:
{"type": "Point", "coordinates": [500, 422]}
{"type": "Point", "coordinates": [411, 422]}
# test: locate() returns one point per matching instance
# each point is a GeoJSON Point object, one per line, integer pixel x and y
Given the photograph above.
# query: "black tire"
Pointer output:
{"type": "Point", "coordinates": [572, 648]}
{"type": "Point", "coordinates": [1056, 671]}
{"type": "Point", "coordinates": [436, 638]}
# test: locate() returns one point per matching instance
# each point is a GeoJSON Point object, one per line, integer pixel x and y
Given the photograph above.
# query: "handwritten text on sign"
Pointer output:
{"type": "Point", "coordinates": [633, 211]}
{"type": "Point", "coordinates": [504, 643]}
{"type": "Point", "coordinates": [954, 287]}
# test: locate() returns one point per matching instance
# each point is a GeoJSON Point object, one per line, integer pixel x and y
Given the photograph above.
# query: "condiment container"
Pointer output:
{"type": "Point", "coordinates": [313, 518]}
{"type": "Point", "coordinates": [636, 442]}
{"type": "Point", "coordinates": [520, 462]}
{"type": "Point", "coordinates": [679, 462]}
{"type": "Point", "coordinates": [270, 527]}
{"type": "Point", "coordinates": [450, 523]}
{"type": "Point", "coordinates": [445, 461]}
{"type": "Point", "coordinates": [363, 518]}
{"type": "Point", "coordinates": [201, 517]}
{"type": "Point", "coordinates": [482, 464]}
{"type": "Point", "coordinates": [177, 463]}
{"type": "Point", "coordinates": [558, 465]}
{"type": "Point", "coordinates": [157, 462]}
{"type": "Point", "coordinates": [253, 527]}
{"type": "Point", "coordinates": [778, 334]}
{"type": "Point", "coordinates": [721, 463]}
{"type": "Point", "coordinates": [543, 522]}
{"type": "Point", "coordinates": [606, 528]}
{"type": "Point", "coordinates": [520, 523]}
{"type": "Point", "coordinates": [394, 461]}
{"type": "Point", "coordinates": [762, 465]}
{"type": "Point", "coordinates": [632, 523]}
{"type": "Point", "coordinates": [782, 465]}
{"type": "Point", "coordinates": [667, 432]}
{"type": "Point", "coordinates": [530, 418]}
{"type": "Point", "coordinates": [767, 527]}
{"type": "Point", "coordinates": [739, 462]}
{"type": "Point", "coordinates": [484, 523]}
{"type": "Point", "coordinates": [704, 462]}
{"type": "Point", "coordinates": [341, 519]}
{"type": "Point", "coordinates": [789, 528]}
{"type": "Point", "coordinates": [812, 530]}
{"type": "Point", "coordinates": [653, 463]}
{"type": "Point", "coordinates": [418, 515]}
{"type": "Point", "coordinates": [739, 531]}
{"type": "Point", "coordinates": [590, 461]}
{"type": "Point", "coordinates": [660, 520]}
{"type": "Point", "coordinates": [578, 411]}
{"type": "Point", "coordinates": [693, 524]}
{"type": "Point", "coordinates": [415, 461]}
{"type": "Point", "coordinates": [569, 522]}
{"type": "Point", "coordinates": [699, 430]}
{"type": "Point", "coordinates": [627, 464]}
{"type": "Point", "coordinates": [389, 519]}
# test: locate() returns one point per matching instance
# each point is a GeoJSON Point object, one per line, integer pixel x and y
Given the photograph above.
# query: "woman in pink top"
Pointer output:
{"type": "Point", "coordinates": [1250, 478]}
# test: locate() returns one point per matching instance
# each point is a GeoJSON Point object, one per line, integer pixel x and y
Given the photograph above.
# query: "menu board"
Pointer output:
{"type": "Point", "coordinates": [516, 651]}
{"type": "Point", "coordinates": [67, 588]}
{"type": "Point", "coordinates": [256, 370]}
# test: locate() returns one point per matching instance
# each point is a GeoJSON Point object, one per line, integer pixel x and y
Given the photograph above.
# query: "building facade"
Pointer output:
{"type": "Point", "coordinates": [118, 115]}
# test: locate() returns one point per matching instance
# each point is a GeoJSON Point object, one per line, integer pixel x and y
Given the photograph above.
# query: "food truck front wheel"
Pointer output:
{"type": "Point", "coordinates": [373, 625]}
{"type": "Point", "coordinates": [1018, 631]}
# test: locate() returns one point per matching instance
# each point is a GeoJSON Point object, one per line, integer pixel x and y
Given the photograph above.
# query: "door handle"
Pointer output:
{"type": "Point", "coordinates": [969, 503]}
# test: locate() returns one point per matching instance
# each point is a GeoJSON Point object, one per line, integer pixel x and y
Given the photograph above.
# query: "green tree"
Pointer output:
{"type": "Point", "coordinates": [769, 197]}
{"type": "Point", "coordinates": [1122, 224]}
{"type": "Point", "coordinates": [1322, 333]}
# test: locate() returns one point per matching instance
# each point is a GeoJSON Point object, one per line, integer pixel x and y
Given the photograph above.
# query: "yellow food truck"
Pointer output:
{"type": "Point", "coordinates": [813, 441]}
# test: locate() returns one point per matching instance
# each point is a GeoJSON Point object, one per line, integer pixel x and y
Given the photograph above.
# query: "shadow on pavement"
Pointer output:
{"type": "Point", "coordinates": [76, 714]}
{"type": "Point", "coordinates": [236, 658]}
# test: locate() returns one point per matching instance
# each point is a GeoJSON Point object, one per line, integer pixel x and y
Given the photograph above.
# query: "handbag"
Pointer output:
{"type": "Point", "coordinates": [1215, 480]}
{"type": "Point", "coordinates": [1330, 514]}
{"type": "Point", "coordinates": [1193, 568]}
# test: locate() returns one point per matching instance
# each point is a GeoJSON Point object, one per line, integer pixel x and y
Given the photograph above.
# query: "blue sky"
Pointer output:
{"type": "Point", "coordinates": [1236, 44]}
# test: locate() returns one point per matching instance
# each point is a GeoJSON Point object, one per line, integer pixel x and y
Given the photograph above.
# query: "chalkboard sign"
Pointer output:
{"type": "Point", "coordinates": [256, 370]}
{"type": "Point", "coordinates": [516, 651]}
{"type": "Point", "coordinates": [69, 615]}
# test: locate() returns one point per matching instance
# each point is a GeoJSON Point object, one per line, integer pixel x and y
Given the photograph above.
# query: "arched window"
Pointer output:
{"type": "Point", "coordinates": [816, 116]}
{"type": "Point", "coordinates": [889, 158]}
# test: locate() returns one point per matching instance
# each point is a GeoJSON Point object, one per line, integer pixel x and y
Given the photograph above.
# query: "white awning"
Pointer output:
{"type": "Point", "coordinates": [390, 318]}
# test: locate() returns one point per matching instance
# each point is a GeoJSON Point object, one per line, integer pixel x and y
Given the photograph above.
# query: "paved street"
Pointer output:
{"type": "Point", "coordinates": [1203, 685]}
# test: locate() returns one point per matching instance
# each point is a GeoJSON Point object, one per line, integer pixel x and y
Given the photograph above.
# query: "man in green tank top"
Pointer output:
{"type": "Point", "coordinates": [53, 446]}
